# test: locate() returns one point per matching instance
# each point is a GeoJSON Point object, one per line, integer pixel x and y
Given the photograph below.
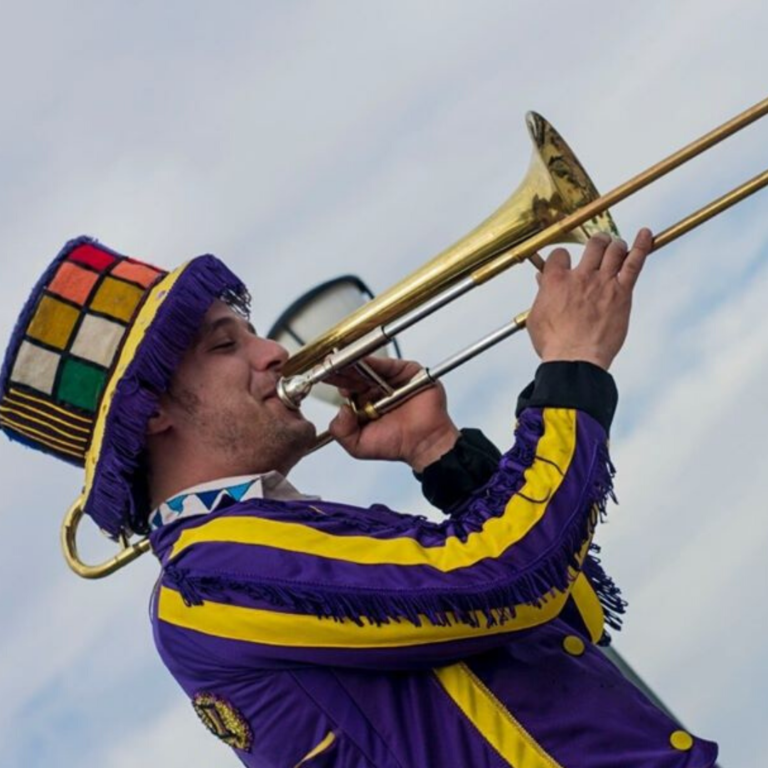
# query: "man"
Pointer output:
{"type": "Point", "coordinates": [311, 633]}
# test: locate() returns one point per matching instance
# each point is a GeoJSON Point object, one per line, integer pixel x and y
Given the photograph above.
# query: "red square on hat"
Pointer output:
{"type": "Point", "coordinates": [92, 257]}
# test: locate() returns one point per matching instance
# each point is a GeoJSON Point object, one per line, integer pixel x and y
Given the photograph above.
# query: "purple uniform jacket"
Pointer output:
{"type": "Point", "coordinates": [318, 634]}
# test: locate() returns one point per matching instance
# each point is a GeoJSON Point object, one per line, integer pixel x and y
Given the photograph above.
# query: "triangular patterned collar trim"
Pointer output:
{"type": "Point", "coordinates": [207, 497]}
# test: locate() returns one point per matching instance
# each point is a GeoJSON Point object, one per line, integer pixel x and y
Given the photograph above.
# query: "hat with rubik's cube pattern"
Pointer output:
{"type": "Point", "coordinates": [69, 344]}
{"type": "Point", "coordinates": [94, 347]}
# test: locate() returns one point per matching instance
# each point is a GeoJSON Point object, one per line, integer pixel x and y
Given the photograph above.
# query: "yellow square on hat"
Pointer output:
{"type": "Point", "coordinates": [116, 299]}
{"type": "Point", "coordinates": [53, 322]}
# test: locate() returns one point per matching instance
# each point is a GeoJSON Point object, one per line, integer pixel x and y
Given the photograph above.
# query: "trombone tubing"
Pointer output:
{"type": "Point", "coordinates": [531, 246]}
{"type": "Point", "coordinates": [710, 210]}
{"type": "Point", "coordinates": [554, 232]}
{"type": "Point", "coordinates": [425, 378]}
{"type": "Point", "coordinates": [68, 538]}
{"type": "Point", "coordinates": [377, 337]}
{"type": "Point", "coordinates": [429, 376]}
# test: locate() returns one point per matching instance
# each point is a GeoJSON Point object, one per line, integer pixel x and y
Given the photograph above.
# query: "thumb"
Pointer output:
{"type": "Point", "coordinates": [345, 428]}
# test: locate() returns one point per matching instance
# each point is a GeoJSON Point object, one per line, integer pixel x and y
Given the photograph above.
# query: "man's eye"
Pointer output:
{"type": "Point", "coordinates": [223, 345]}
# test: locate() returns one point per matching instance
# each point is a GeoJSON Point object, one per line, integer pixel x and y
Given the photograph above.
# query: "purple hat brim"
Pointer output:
{"type": "Point", "coordinates": [117, 499]}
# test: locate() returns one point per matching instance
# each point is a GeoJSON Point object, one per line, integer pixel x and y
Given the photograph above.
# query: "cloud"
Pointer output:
{"type": "Point", "coordinates": [346, 137]}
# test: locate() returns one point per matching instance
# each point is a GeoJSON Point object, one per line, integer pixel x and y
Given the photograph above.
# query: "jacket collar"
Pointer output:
{"type": "Point", "coordinates": [208, 497]}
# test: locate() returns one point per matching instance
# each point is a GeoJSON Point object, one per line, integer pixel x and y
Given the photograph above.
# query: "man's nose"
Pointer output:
{"type": "Point", "coordinates": [269, 354]}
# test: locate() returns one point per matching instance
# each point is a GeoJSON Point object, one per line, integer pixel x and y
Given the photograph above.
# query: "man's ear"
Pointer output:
{"type": "Point", "coordinates": [160, 421]}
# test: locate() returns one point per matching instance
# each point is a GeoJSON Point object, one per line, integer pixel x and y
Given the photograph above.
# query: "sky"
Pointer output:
{"type": "Point", "coordinates": [303, 140]}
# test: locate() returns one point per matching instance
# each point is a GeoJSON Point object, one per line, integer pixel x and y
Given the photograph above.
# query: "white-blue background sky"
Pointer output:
{"type": "Point", "coordinates": [302, 140]}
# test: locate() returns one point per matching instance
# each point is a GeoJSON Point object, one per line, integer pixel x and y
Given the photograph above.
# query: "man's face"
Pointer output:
{"type": "Point", "coordinates": [222, 400]}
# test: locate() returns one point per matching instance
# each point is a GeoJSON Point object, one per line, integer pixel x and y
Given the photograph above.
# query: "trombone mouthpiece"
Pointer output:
{"type": "Point", "coordinates": [293, 390]}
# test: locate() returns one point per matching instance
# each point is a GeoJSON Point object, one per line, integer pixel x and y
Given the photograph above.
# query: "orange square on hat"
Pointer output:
{"type": "Point", "coordinates": [73, 283]}
{"type": "Point", "coordinates": [117, 299]}
{"type": "Point", "coordinates": [136, 273]}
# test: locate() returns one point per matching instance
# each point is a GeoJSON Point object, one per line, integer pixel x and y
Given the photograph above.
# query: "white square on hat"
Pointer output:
{"type": "Point", "coordinates": [35, 367]}
{"type": "Point", "coordinates": [97, 340]}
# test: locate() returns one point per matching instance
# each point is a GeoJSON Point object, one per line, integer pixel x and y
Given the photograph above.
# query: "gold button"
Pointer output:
{"type": "Point", "coordinates": [574, 645]}
{"type": "Point", "coordinates": [681, 740]}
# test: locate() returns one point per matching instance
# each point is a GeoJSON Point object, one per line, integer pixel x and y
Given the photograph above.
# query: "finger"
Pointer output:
{"type": "Point", "coordinates": [633, 264]}
{"type": "Point", "coordinates": [390, 366]}
{"type": "Point", "coordinates": [355, 398]}
{"type": "Point", "coordinates": [537, 261]}
{"type": "Point", "coordinates": [348, 376]}
{"type": "Point", "coordinates": [559, 259]}
{"type": "Point", "coordinates": [348, 380]}
{"type": "Point", "coordinates": [593, 252]}
{"type": "Point", "coordinates": [375, 379]}
{"type": "Point", "coordinates": [614, 257]}
{"type": "Point", "coordinates": [345, 428]}
{"type": "Point", "coordinates": [354, 377]}
{"type": "Point", "coordinates": [392, 370]}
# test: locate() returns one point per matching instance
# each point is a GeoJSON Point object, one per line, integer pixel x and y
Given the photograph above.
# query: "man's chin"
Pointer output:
{"type": "Point", "coordinates": [310, 436]}
{"type": "Point", "coordinates": [301, 433]}
{"type": "Point", "coordinates": [297, 442]}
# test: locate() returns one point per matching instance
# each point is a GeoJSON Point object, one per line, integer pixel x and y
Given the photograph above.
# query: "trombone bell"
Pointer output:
{"type": "Point", "coordinates": [555, 186]}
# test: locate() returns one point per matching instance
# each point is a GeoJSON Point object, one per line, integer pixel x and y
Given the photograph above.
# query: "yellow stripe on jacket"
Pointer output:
{"type": "Point", "coordinates": [254, 625]}
{"type": "Point", "coordinates": [492, 719]}
{"type": "Point", "coordinates": [523, 511]}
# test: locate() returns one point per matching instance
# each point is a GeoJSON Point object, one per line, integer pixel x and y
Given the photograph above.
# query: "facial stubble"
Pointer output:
{"type": "Point", "coordinates": [268, 441]}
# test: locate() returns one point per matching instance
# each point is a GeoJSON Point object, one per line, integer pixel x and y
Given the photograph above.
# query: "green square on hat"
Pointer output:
{"type": "Point", "coordinates": [81, 384]}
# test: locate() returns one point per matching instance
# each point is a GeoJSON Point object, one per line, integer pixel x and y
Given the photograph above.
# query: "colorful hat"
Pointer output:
{"type": "Point", "coordinates": [96, 344]}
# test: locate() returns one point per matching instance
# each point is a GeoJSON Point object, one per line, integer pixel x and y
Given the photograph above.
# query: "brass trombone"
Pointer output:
{"type": "Point", "coordinates": [500, 242]}
{"type": "Point", "coordinates": [555, 203]}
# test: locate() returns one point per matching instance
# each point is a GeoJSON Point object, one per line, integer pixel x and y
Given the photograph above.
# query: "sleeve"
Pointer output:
{"type": "Point", "coordinates": [473, 460]}
{"type": "Point", "coordinates": [594, 600]}
{"type": "Point", "coordinates": [332, 585]}
{"type": "Point", "coordinates": [572, 384]}
{"type": "Point", "coordinates": [468, 466]}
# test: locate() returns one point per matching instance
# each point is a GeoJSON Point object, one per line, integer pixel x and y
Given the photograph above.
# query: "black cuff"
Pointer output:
{"type": "Point", "coordinates": [461, 471]}
{"type": "Point", "coordinates": [566, 384]}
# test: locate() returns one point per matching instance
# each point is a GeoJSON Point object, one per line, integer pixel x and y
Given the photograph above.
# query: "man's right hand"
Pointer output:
{"type": "Point", "coordinates": [418, 432]}
{"type": "Point", "coordinates": [583, 313]}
